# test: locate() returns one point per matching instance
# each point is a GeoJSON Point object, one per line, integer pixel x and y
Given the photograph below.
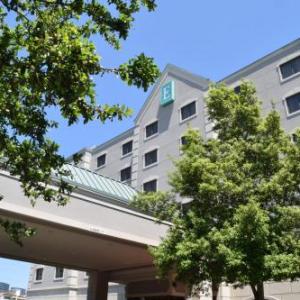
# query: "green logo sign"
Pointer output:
{"type": "Point", "coordinates": [167, 93]}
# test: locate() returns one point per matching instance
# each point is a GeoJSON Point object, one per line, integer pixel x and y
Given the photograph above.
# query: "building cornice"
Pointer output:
{"type": "Point", "coordinates": [114, 140]}
{"type": "Point", "coordinates": [265, 60]}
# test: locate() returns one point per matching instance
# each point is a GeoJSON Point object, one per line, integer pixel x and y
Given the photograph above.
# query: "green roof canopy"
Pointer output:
{"type": "Point", "coordinates": [83, 178]}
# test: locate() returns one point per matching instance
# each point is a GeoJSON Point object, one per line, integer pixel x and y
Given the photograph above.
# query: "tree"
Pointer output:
{"type": "Point", "coordinates": [252, 160]}
{"type": "Point", "coordinates": [47, 60]}
{"type": "Point", "coordinates": [260, 246]}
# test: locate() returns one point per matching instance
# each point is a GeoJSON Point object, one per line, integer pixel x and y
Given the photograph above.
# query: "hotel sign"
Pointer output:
{"type": "Point", "coordinates": [167, 93]}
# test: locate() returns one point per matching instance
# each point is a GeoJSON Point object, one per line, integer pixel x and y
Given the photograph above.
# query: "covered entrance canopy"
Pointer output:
{"type": "Point", "coordinates": [96, 231]}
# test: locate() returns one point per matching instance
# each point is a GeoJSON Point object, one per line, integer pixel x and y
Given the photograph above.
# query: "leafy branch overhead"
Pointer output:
{"type": "Point", "coordinates": [48, 60]}
{"type": "Point", "coordinates": [15, 230]}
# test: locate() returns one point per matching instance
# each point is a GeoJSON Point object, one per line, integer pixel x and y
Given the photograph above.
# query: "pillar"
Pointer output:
{"type": "Point", "coordinates": [98, 286]}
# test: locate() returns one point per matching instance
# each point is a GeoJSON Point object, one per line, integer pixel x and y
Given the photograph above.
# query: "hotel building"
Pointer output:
{"type": "Point", "coordinates": [140, 156]}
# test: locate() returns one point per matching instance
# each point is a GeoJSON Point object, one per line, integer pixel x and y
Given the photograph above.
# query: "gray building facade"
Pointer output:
{"type": "Point", "coordinates": [141, 156]}
{"type": "Point", "coordinates": [4, 287]}
{"type": "Point", "coordinates": [56, 283]}
{"type": "Point", "coordinates": [7, 292]}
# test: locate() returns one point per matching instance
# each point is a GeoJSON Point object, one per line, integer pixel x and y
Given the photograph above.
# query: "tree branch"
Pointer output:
{"type": "Point", "coordinates": [109, 70]}
{"type": "Point", "coordinates": [254, 291]}
{"type": "Point", "coordinates": [15, 9]}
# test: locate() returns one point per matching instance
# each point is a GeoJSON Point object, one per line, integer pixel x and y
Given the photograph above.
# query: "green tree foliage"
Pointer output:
{"type": "Point", "coordinates": [244, 192]}
{"type": "Point", "coordinates": [48, 60]}
{"type": "Point", "coordinates": [163, 206]}
{"type": "Point", "coordinates": [260, 246]}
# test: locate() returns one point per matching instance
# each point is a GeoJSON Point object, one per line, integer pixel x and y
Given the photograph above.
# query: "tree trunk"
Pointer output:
{"type": "Point", "coordinates": [258, 291]}
{"type": "Point", "coordinates": [215, 290]}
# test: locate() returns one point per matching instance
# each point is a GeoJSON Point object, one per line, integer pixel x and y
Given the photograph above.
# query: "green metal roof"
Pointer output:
{"type": "Point", "coordinates": [83, 178]}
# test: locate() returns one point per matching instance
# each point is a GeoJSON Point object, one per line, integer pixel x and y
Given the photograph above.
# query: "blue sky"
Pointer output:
{"type": "Point", "coordinates": [212, 38]}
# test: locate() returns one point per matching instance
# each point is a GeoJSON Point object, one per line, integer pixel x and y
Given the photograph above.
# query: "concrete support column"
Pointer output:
{"type": "Point", "coordinates": [72, 278]}
{"type": "Point", "coordinates": [98, 286]}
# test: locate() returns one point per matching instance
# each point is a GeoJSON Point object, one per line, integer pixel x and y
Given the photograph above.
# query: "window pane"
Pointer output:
{"type": "Point", "coordinates": [286, 70]}
{"type": "Point", "coordinates": [237, 89]}
{"type": "Point", "coordinates": [293, 103]}
{"type": "Point", "coordinates": [127, 148]}
{"type": "Point", "coordinates": [126, 174]}
{"type": "Point", "coordinates": [59, 272]}
{"type": "Point", "coordinates": [290, 68]}
{"type": "Point", "coordinates": [183, 140]}
{"type": "Point", "coordinates": [152, 129]}
{"type": "Point", "coordinates": [294, 138]}
{"type": "Point", "coordinates": [101, 160]}
{"type": "Point", "coordinates": [151, 157]}
{"type": "Point", "coordinates": [39, 274]}
{"type": "Point", "coordinates": [150, 186]}
{"type": "Point", "coordinates": [188, 110]}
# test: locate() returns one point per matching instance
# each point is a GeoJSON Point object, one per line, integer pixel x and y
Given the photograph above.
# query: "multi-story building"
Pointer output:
{"type": "Point", "coordinates": [13, 293]}
{"type": "Point", "coordinates": [56, 283]}
{"type": "Point", "coordinates": [18, 292]}
{"type": "Point", "coordinates": [4, 287]}
{"type": "Point", "coordinates": [141, 155]}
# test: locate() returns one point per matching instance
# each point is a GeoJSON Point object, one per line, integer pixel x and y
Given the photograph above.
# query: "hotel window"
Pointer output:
{"type": "Point", "coordinates": [127, 148]}
{"type": "Point", "coordinates": [183, 140]}
{"type": "Point", "coordinates": [101, 160]}
{"type": "Point", "coordinates": [294, 138]}
{"type": "Point", "coordinates": [188, 110]}
{"type": "Point", "coordinates": [150, 157]}
{"type": "Point", "coordinates": [39, 274]}
{"type": "Point", "coordinates": [151, 129]}
{"type": "Point", "coordinates": [237, 89]}
{"type": "Point", "coordinates": [59, 273]}
{"type": "Point", "coordinates": [290, 68]}
{"type": "Point", "coordinates": [125, 174]}
{"type": "Point", "coordinates": [293, 103]}
{"type": "Point", "coordinates": [150, 186]}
